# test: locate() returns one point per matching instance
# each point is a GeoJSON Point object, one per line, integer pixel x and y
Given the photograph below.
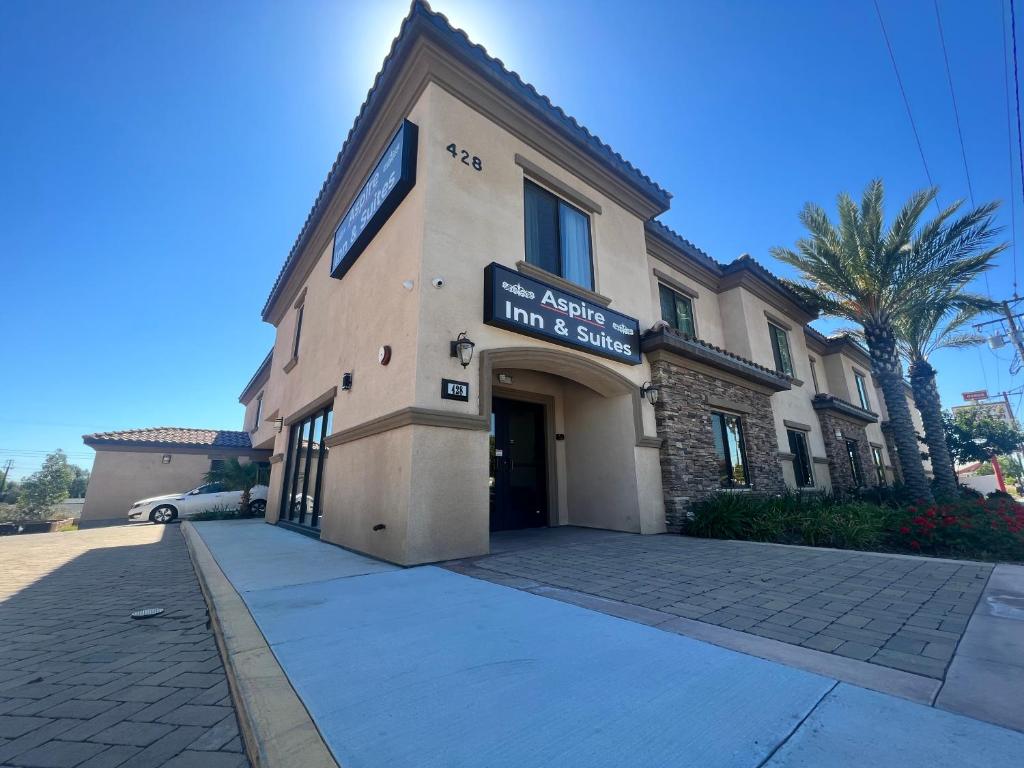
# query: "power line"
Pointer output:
{"type": "Point", "coordinates": [906, 101]}
{"type": "Point", "coordinates": [1016, 93]}
{"type": "Point", "coordinates": [1009, 149]}
{"type": "Point", "coordinates": [952, 94]}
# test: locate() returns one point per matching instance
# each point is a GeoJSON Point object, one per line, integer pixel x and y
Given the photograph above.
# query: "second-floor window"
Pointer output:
{"type": "Point", "coordinates": [730, 450]}
{"type": "Point", "coordinates": [259, 413]}
{"type": "Point", "coordinates": [802, 470]}
{"type": "Point", "coordinates": [298, 331]}
{"type": "Point", "coordinates": [676, 310]}
{"type": "Point", "coordinates": [558, 237]}
{"type": "Point", "coordinates": [814, 376]}
{"type": "Point", "coordinates": [780, 348]}
{"type": "Point", "coordinates": [862, 390]}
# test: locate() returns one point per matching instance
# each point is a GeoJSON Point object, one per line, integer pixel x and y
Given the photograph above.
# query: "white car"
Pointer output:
{"type": "Point", "coordinates": [205, 498]}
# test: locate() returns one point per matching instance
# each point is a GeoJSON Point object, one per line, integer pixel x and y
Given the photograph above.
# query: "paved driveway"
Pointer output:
{"type": "Point", "coordinates": [899, 612]}
{"type": "Point", "coordinates": [83, 684]}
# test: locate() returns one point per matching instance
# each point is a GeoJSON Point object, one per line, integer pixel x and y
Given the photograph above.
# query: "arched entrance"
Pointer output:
{"type": "Point", "coordinates": [566, 434]}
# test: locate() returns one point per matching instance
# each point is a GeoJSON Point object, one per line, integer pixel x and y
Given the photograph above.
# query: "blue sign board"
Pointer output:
{"type": "Point", "coordinates": [388, 184]}
{"type": "Point", "coordinates": [519, 303]}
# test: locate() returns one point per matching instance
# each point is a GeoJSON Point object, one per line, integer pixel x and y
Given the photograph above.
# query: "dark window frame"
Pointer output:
{"type": "Point", "coordinates": [300, 453]}
{"type": "Point", "coordinates": [860, 382]}
{"type": "Point", "coordinates": [559, 201]}
{"type": "Point", "coordinates": [720, 421]}
{"type": "Point", "coordinates": [803, 469]}
{"type": "Point", "coordinates": [676, 297]}
{"type": "Point", "coordinates": [876, 458]}
{"type": "Point", "coordinates": [776, 332]}
{"type": "Point", "coordinates": [259, 412]}
{"type": "Point", "coordinates": [297, 336]}
{"type": "Point", "coordinates": [853, 453]}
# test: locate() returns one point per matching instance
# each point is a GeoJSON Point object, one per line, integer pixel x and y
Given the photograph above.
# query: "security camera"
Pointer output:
{"type": "Point", "coordinates": [437, 282]}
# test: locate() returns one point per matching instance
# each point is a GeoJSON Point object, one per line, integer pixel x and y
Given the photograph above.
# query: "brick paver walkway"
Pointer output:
{"type": "Point", "coordinates": [81, 683]}
{"type": "Point", "coordinates": [904, 613]}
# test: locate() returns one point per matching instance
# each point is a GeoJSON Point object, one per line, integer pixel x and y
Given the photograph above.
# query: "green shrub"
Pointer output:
{"type": "Point", "coordinates": [984, 529]}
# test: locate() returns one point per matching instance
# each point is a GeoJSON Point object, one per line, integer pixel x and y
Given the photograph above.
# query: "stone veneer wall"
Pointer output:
{"type": "Point", "coordinates": [689, 468]}
{"type": "Point", "coordinates": [835, 449]}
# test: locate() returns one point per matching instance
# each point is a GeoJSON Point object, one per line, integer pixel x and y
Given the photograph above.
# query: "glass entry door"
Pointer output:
{"type": "Point", "coordinates": [519, 494]}
{"type": "Point", "coordinates": [303, 475]}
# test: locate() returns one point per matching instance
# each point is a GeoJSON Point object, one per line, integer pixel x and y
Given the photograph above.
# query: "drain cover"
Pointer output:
{"type": "Point", "coordinates": [146, 613]}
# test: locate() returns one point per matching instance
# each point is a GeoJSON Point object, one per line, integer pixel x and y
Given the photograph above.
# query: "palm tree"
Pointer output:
{"type": "Point", "coordinates": [939, 325]}
{"type": "Point", "coordinates": [235, 476]}
{"type": "Point", "coordinates": [861, 271]}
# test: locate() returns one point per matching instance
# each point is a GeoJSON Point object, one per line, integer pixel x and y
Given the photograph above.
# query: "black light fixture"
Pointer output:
{"type": "Point", "coordinates": [278, 424]}
{"type": "Point", "coordinates": [649, 392]}
{"type": "Point", "coordinates": [462, 348]}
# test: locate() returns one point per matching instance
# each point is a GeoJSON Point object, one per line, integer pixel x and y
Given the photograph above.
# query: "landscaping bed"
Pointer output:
{"type": "Point", "coordinates": [966, 528]}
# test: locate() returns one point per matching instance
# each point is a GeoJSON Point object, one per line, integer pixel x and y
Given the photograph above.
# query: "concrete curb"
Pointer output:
{"type": "Point", "coordinates": [276, 728]}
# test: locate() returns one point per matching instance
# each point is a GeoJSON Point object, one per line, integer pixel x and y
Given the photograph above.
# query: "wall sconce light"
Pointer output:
{"type": "Point", "coordinates": [504, 378]}
{"type": "Point", "coordinates": [649, 392]}
{"type": "Point", "coordinates": [166, 458]}
{"type": "Point", "coordinates": [462, 348]}
{"type": "Point", "coordinates": [839, 434]}
{"type": "Point", "coordinates": [346, 381]}
{"type": "Point", "coordinates": [279, 424]}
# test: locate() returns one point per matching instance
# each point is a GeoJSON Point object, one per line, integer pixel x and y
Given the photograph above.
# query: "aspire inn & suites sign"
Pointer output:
{"type": "Point", "coordinates": [519, 303]}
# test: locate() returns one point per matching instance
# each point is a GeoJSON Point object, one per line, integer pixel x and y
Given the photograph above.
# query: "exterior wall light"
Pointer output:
{"type": "Point", "coordinates": [279, 424]}
{"type": "Point", "coordinates": [462, 348]}
{"type": "Point", "coordinates": [649, 392]}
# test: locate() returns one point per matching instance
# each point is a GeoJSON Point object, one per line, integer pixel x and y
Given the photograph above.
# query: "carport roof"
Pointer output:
{"type": "Point", "coordinates": [171, 437]}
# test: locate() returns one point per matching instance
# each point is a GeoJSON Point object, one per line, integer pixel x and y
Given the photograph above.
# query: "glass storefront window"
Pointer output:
{"type": "Point", "coordinates": [301, 492]}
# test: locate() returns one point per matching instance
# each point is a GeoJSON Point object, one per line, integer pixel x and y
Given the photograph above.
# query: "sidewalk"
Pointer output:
{"type": "Point", "coordinates": [428, 667]}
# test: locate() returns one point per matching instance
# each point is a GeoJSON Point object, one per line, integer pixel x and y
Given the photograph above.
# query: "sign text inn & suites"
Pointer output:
{"type": "Point", "coordinates": [483, 326]}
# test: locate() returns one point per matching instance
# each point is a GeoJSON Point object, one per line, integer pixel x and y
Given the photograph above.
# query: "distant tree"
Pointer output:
{"type": "Point", "coordinates": [996, 436]}
{"type": "Point", "coordinates": [1012, 469]}
{"type": "Point", "coordinates": [79, 481]}
{"type": "Point", "coordinates": [47, 488]}
{"type": "Point", "coordinates": [235, 476]}
{"type": "Point", "coordinates": [10, 492]}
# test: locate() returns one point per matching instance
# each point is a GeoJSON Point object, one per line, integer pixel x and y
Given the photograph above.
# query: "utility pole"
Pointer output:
{"type": "Point", "coordinates": [3, 480]}
{"type": "Point", "coordinates": [1014, 333]}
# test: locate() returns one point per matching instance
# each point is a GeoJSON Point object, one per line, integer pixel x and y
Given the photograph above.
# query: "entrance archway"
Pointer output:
{"type": "Point", "coordinates": [587, 456]}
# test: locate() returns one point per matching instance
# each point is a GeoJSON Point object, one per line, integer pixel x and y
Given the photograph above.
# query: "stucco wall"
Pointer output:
{"type": "Point", "coordinates": [120, 478]}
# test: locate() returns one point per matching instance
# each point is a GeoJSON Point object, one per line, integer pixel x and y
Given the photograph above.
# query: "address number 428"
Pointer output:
{"type": "Point", "coordinates": [472, 161]}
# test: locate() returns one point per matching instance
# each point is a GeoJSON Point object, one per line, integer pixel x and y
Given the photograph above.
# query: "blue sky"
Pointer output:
{"type": "Point", "coordinates": [158, 160]}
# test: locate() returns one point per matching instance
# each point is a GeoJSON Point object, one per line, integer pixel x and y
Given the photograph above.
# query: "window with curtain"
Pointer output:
{"type": "Point", "coordinates": [676, 310]}
{"type": "Point", "coordinates": [802, 470]}
{"type": "Point", "coordinates": [730, 450]}
{"type": "Point", "coordinates": [780, 348]}
{"type": "Point", "coordinates": [557, 236]}
{"type": "Point", "coordinates": [862, 391]}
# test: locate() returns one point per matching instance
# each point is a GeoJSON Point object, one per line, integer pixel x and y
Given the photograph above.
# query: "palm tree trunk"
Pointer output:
{"type": "Point", "coordinates": [926, 397]}
{"type": "Point", "coordinates": [888, 369]}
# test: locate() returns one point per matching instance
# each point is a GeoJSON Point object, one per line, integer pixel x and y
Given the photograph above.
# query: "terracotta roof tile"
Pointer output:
{"type": "Point", "coordinates": [172, 436]}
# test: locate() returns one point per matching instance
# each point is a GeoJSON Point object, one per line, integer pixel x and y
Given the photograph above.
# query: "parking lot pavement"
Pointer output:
{"type": "Point", "coordinates": [82, 683]}
{"type": "Point", "coordinates": [897, 612]}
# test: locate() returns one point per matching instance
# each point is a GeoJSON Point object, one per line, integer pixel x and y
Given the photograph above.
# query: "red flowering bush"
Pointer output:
{"type": "Point", "coordinates": [991, 529]}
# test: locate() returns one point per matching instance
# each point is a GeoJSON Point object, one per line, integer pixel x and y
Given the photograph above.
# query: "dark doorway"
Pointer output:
{"type": "Point", "coordinates": [519, 492]}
